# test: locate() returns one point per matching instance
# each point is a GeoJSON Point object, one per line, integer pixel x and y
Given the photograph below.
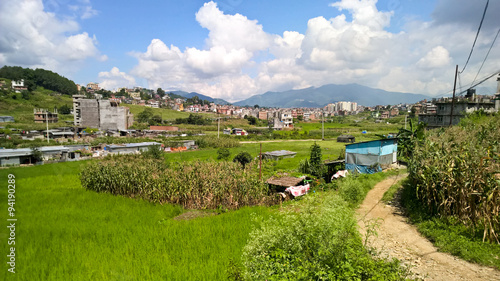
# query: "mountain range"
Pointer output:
{"type": "Point", "coordinates": [319, 97]}
{"type": "Point", "coordinates": [202, 97]}
{"type": "Point", "coordinates": [331, 93]}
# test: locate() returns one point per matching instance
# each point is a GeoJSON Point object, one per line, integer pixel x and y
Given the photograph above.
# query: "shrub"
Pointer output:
{"type": "Point", "coordinates": [223, 154]}
{"type": "Point", "coordinates": [243, 158]}
{"type": "Point", "coordinates": [319, 242]}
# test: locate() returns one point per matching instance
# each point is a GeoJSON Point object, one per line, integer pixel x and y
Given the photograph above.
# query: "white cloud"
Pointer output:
{"type": "Point", "coordinates": [32, 37]}
{"type": "Point", "coordinates": [436, 58]}
{"type": "Point", "coordinates": [115, 79]}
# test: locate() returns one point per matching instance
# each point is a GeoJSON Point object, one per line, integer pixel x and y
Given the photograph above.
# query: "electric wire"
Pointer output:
{"type": "Point", "coordinates": [493, 43]}
{"type": "Point", "coordinates": [477, 34]}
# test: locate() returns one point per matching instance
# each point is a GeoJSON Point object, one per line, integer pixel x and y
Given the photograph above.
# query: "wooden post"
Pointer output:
{"type": "Point", "coordinates": [260, 163]}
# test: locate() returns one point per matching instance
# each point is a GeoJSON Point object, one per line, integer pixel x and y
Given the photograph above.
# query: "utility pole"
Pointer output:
{"type": "Point", "coordinates": [47, 122]}
{"type": "Point", "coordinates": [453, 99]}
{"type": "Point", "coordinates": [323, 125]}
{"type": "Point", "coordinates": [218, 126]}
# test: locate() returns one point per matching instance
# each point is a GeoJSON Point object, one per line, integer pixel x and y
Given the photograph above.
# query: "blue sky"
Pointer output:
{"type": "Point", "coordinates": [233, 49]}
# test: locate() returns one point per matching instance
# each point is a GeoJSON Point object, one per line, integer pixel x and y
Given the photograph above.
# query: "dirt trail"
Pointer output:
{"type": "Point", "coordinates": [398, 239]}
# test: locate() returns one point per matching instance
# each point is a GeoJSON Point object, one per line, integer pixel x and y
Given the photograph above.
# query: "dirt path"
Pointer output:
{"type": "Point", "coordinates": [398, 239]}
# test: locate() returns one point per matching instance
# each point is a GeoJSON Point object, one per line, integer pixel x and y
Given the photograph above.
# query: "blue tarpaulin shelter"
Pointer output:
{"type": "Point", "coordinates": [370, 156]}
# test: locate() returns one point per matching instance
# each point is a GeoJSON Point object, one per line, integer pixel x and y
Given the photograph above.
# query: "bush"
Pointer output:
{"type": "Point", "coordinates": [319, 242]}
{"type": "Point", "coordinates": [223, 154]}
{"type": "Point", "coordinates": [243, 158]}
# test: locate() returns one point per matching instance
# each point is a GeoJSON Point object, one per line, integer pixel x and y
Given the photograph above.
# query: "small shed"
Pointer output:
{"type": "Point", "coordinates": [371, 156]}
{"type": "Point", "coordinates": [278, 154]}
{"type": "Point", "coordinates": [7, 119]}
{"type": "Point", "coordinates": [281, 182]}
{"type": "Point", "coordinates": [346, 138]}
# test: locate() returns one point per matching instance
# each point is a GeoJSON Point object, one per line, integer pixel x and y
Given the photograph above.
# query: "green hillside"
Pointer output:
{"type": "Point", "coordinates": [21, 106]}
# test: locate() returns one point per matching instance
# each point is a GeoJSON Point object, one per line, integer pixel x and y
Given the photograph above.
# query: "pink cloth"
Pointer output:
{"type": "Point", "coordinates": [341, 173]}
{"type": "Point", "coordinates": [298, 190]}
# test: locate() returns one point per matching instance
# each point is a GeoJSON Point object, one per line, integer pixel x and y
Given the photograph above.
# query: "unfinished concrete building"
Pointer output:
{"type": "Point", "coordinates": [102, 114]}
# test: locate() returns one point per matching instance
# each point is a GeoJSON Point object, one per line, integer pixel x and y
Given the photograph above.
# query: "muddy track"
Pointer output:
{"type": "Point", "coordinates": [398, 239]}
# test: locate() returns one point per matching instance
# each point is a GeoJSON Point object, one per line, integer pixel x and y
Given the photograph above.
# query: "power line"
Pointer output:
{"type": "Point", "coordinates": [481, 82]}
{"type": "Point", "coordinates": [485, 57]}
{"type": "Point", "coordinates": [477, 34]}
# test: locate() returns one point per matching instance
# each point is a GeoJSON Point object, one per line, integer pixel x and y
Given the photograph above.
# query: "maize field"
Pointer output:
{"type": "Point", "coordinates": [194, 185]}
{"type": "Point", "coordinates": [456, 173]}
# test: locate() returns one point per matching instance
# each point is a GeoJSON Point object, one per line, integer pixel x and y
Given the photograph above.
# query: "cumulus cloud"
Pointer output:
{"type": "Point", "coordinates": [111, 80]}
{"type": "Point", "coordinates": [240, 59]}
{"type": "Point", "coordinates": [32, 37]}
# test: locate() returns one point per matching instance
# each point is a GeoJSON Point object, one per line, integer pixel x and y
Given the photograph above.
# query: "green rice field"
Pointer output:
{"type": "Point", "coordinates": [64, 232]}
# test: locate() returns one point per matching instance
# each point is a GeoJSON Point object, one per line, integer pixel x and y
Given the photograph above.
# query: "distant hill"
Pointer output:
{"type": "Point", "coordinates": [202, 97]}
{"type": "Point", "coordinates": [40, 78]}
{"type": "Point", "coordinates": [331, 93]}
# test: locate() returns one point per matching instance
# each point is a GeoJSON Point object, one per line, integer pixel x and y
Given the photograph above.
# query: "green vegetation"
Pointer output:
{"type": "Point", "coordinates": [316, 239]}
{"type": "Point", "coordinates": [22, 110]}
{"type": "Point", "coordinates": [243, 158]}
{"type": "Point", "coordinates": [223, 154]}
{"type": "Point", "coordinates": [39, 78]}
{"type": "Point", "coordinates": [68, 233]}
{"type": "Point", "coordinates": [454, 174]}
{"type": "Point", "coordinates": [193, 185]}
{"type": "Point", "coordinates": [166, 114]}
{"type": "Point", "coordinates": [451, 193]}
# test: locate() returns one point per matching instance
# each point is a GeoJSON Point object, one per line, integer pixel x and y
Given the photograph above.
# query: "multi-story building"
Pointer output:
{"type": "Point", "coordinates": [449, 112]}
{"type": "Point", "coordinates": [102, 114]}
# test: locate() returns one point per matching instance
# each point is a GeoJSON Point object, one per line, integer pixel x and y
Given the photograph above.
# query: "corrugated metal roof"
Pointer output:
{"type": "Point", "coordinates": [13, 152]}
{"type": "Point", "coordinates": [129, 145]}
{"type": "Point", "coordinates": [278, 153]}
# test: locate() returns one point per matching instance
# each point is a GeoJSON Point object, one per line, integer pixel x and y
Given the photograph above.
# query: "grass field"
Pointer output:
{"type": "Point", "coordinates": [22, 110]}
{"type": "Point", "coordinates": [330, 150]}
{"type": "Point", "coordinates": [64, 232]}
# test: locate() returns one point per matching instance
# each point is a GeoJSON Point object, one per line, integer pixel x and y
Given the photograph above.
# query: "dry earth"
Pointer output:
{"type": "Point", "coordinates": [398, 239]}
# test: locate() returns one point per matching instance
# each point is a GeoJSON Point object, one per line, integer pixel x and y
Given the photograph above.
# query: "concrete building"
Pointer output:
{"type": "Point", "coordinates": [45, 116]}
{"type": "Point", "coordinates": [102, 114]}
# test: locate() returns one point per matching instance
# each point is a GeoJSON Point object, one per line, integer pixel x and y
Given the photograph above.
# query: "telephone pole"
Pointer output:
{"type": "Point", "coordinates": [453, 99]}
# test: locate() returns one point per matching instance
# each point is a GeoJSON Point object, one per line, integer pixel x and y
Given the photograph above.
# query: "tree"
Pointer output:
{"type": "Point", "coordinates": [252, 120]}
{"type": "Point", "coordinates": [160, 92]}
{"type": "Point", "coordinates": [145, 115]}
{"type": "Point", "coordinates": [154, 151]}
{"type": "Point", "coordinates": [256, 106]}
{"type": "Point", "coordinates": [156, 119]}
{"type": "Point", "coordinates": [314, 166]}
{"type": "Point", "coordinates": [243, 158]}
{"type": "Point", "coordinates": [300, 117]}
{"type": "Point", "coordinates": [36, 153]}
{"type": "Point", "coordinates": [223, 154]}
{"type": "Point", "coordinates": [26, 95]}
{"type": "Point", "coordinates": [64, 109]}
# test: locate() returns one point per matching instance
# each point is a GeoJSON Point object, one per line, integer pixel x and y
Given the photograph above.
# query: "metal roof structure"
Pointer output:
{"type": "Point", "coordinates": [280, 153]}
{"type": "Point", "coordinates": [14, 152]}
{"type": "Point", "coordinates": [130, 145]}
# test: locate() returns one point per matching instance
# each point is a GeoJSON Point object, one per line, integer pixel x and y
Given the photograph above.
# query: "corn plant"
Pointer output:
{"type": "Point", "coordinates": [456, 173]}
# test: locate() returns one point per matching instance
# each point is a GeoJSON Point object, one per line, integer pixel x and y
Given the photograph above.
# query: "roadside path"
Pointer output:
{"type": "Point", "coordinates": [398, 239]}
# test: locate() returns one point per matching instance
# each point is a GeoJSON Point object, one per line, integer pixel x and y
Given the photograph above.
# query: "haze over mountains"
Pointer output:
{"type": "Point", "coordinates": [321, 96]}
